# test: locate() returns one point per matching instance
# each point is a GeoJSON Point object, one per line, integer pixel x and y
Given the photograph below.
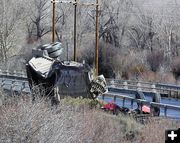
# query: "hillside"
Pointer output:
{"type": "Point", "coordinates": [74, 120]}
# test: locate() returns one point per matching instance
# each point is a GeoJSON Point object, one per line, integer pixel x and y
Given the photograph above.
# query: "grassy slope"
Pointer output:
{"type": "Point", "coordinates": [74, 120]}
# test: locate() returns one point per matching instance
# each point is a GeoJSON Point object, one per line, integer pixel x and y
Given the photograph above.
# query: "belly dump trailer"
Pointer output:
{"type": "Point", "coordinates": [49, 76]}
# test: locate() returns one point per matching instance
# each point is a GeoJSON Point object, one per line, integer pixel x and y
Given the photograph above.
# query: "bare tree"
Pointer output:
{"type": "Point", "coordinates": [142, 32]}
{"type": "Point", "coordinates": [114, 19]}
{"type": "Point", "coordinates": [10, 15]}
{"type": "Point", "coordinates": [37, 22]}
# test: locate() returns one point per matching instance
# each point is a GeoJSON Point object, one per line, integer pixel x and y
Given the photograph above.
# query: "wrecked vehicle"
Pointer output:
{"type": "Point", "coordinates": [115, 109]}
{"type": "Point", "coordinates": [54, 78]}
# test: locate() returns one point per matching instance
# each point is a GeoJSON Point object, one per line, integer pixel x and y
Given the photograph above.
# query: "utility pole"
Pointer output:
{"type": "Point", "coordinates": [75, 19]}
{"type": "Point", "coordinates": [53, 22]}
{"type": "Point", "coordinates": [97, 39]}
{"type": "Point", "coordinates": [75, 3]}
{"type": "Point", "coordinates": [75, 15]}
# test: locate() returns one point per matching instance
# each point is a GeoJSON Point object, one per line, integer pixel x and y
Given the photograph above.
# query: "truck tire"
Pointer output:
{"type": "Point", "coordinates": [56, 53]}
{"type": "Point", "coordinates": [42, 47]}
{"type": "Point", "coordinates": [156, 110]}
{"type": "Point", "coordinates": [139, 95]}
{"type": "Point", "coordinates": [53, 47]}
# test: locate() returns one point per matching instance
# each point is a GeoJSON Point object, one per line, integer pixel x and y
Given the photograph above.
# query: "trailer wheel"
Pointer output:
{"type": "Point", "coordinates": [139, 95]}
{"type": "Point", "coordinates": [54, 47]}
{"type": "Point", "coordinates": [56, 53]}
{"type": "Point", "coordinates": [156, 110]}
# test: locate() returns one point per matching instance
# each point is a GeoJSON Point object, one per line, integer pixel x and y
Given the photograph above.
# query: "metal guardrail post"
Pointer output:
{"type": "Point", "coordinates": [7, 72]}
{"type": "Point", "coordinates": [103, 97]}
{"type": "Point", "coordinates": [12, 86]}
{"type": "Point", "coordinates": [177, 94]}
{"type": "Point", "coordinates": [132, 102]}
{"type": "Point", "coordinates": [15, 73]}
{"type": "Point", "coordinates": [139, 86]}
{"type": "Point", "coordinates": [165, 111]}
{"type": "Point", "coordinates": [112, 83]}
{"type": "Point", "coordinates": [125, 85]}
{"type": "Point", "coordinates": [114, 99]}
{"type": "Point", "coordinates": [170, 94]}
{"type": "Point", "coordinates": [153, 86]}
{"type": "Point", "coordinates": [123, 101]}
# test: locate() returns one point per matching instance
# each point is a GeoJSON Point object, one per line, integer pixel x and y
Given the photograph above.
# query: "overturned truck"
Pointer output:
{"type": "Point", "coordinates": [49, 76]}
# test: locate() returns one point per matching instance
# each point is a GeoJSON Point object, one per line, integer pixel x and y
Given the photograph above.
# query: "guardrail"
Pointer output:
{"type": "Point", "coordinates": [14, 81]}
{"type": "Point", "coordinates": [13, 75]}
{"type": "Point", "coordinates": [115, 95]}
{"type": "Point", "coordinates": [166, 90]}
{"type": "Point", "coordinates": [17, 81]}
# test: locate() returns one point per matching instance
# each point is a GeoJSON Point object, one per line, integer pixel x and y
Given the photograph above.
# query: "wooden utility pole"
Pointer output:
{"type": "Point", "coordinates": [97, 38]}
{"type": "Point", "coordinates": [53, 22]}
{"type": "Point", "coordinates": [75, 19]}
{"type": "Point", "coordinates": [75, 15]}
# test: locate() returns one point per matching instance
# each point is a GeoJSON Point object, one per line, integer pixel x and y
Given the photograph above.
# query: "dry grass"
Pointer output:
{"type": "Point", "coordinates": [154, 131]}
{"type": "Point", "coordinates": [71, 121]}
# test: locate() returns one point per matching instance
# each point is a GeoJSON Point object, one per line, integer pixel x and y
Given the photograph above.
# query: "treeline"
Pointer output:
{"type": "Point", "coordinates": [138, 39]}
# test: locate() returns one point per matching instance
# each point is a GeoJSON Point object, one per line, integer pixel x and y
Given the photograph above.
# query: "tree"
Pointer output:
{"type": "Point", "coordinates": [10, 16]}
{"type": "Point", "coordinates": [113, 21]}
{"type": "Point", "coordinates": [37, 22]}
{"type": "Point", "coordinates": [142, 32]}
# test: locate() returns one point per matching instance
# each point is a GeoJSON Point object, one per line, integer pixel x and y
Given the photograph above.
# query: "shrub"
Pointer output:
{"type": "Point", "coordinates": [106, 58]}
{"type": "Point", "coordinates": [155, 59]}
{"type": "Point", "coordinates": [157, 77]}
{"type": "Point", "coordinates": [176, 67]}
{"type": "Point", "coordinates": [136, 70]}
{"type": "Point", "coordinates": [154, 131]}
{"type": "Point", "coordinates": [39, 122]}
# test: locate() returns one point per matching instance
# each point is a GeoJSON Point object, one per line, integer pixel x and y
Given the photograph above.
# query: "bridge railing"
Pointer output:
{"type": "Point", "coordinates": [12, 74]}
{"type": "Point", "coordinates": [166, 90]}
{"type": "Point", "coordinates": [142, 102]}
{"type": "Point", "coordinates": [14, 81]}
